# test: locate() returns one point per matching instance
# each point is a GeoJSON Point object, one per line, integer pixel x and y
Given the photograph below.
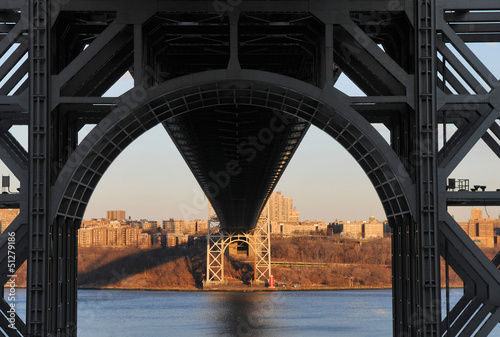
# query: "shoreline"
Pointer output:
{"type": "Point", "coordinates": [247, 289]}
{"type": "Point", "coordinates": [242, 289]}
{"type": "Point", "coordinates": [254, 289]}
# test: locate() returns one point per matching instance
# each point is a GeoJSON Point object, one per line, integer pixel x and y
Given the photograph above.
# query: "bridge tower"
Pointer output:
{"type": "Point", "coordinates": [258, 240]}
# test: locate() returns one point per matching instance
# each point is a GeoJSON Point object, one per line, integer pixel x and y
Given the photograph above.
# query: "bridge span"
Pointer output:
{"type": "Point", "coordinates": [237, 84]}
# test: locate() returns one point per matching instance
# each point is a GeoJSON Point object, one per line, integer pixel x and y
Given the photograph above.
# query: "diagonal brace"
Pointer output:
{"type": "Point", "coordinates": [466, 139]}
{"type": "Point", "coordinates": [13, 155]}
{"type": "Point", "coordinates": [376, 53]}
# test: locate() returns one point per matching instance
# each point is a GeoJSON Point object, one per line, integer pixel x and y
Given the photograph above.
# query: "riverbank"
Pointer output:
{"type": "Point", "coordinates": [316, 263]}
{"type": "Point", "coordinates": [245, 289]}
{"type": "Point", "coordinates": [299, 264]}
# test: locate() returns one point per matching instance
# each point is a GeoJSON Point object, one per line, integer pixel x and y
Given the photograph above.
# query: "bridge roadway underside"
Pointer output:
{"type": "Point", "coordinates": [237, 154]}
{"type": "Point", "coordinates": [236, 84]}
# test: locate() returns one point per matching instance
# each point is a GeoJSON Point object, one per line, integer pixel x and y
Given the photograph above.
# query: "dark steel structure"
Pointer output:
{"type": "Point", "coordinates": [236, 84]}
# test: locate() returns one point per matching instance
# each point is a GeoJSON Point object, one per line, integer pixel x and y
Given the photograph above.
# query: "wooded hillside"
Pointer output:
{"type": "Point", "coordinates": [299, 260]}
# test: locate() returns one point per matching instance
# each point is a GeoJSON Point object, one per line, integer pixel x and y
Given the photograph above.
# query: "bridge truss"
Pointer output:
{"type": "Point", "coordinates": [259, 245]}
{"type": "Point", "coordinates": [412, 59]}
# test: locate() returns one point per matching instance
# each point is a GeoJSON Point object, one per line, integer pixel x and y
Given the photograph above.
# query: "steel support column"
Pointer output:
{"type": "Point", "coordinates": [38, 295]}
{"type": "Point", "coordinates": [215, 256]}
{"type": "Point", "coordinates": [429, 308]}
{"type": "Point", "coordinates": [261, 245]}
{"type": "Point", "coordinates": [427, 164]}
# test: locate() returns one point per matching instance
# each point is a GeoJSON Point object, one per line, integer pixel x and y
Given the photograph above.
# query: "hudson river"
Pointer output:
{"type": "Point", "coordinates": [127, 313]}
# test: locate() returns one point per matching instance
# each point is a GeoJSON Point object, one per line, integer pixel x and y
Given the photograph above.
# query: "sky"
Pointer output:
{"type": "Point", "coordinates": [150, 180]}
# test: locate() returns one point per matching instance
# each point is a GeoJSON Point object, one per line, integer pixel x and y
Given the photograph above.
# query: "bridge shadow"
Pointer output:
{"type": "Point", "coordinates": [152, 268]}
{"type": "Point", "coordinates": [244, 313]}
{"type": "Point", "coordinates": [240, 269]}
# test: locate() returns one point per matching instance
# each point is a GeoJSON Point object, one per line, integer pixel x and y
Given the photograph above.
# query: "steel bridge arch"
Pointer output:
{"type": "Point", "coordinates": [140, 110]}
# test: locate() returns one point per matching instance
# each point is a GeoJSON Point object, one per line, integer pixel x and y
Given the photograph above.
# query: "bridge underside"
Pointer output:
{"type": "Point", "coordinates": [237, 154]}
{"type": "Point", "coordinates": [230, 79]}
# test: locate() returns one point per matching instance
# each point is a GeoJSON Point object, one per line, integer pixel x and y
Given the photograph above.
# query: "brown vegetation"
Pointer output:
{"type": "Point", "coordinates": [346, 262]}
{"type": "Point", "coordinates": [136, 268]}
{"type": "Point", "coordinates": [328, 261]}
{"type": "Point", "coordinates": [329, 250]}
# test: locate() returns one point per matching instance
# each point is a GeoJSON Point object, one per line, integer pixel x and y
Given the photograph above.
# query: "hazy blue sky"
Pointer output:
{"type": "Point", "coordinates": [151, 180]}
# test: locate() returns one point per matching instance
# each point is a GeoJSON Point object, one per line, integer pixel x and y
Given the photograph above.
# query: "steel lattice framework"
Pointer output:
{"type": "Point", "coordinates": [411, 58]}
{"type": "Point", "coordinates": [258, 240]}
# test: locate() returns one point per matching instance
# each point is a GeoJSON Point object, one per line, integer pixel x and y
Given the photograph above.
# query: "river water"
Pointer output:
{"type": "Point", "coordinates": [127, 313]}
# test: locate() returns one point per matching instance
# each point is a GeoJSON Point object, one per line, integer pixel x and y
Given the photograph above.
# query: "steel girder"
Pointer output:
{"type": "Point", "coordinates": [416, 37]}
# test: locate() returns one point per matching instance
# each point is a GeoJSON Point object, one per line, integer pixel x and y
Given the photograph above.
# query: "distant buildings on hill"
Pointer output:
{"type": "Point", "coordinates": [284, 218]}
{"type": "Point", "coordinates": [117, 231]}
{"type": "Point", "coordinates": [281, 209]}
{"type": "Point", "coordinates": [296, 227]}
{"type": "Point", "coordinates": [185, 227]}
{"type": "Point", "coordinates": [480, 230]}
{"type": "Point", "coordinates": [116, 215]}
{"type": "Point", "coordinates": [285, 221]}
{"type": "Point", "coordinates": [370, 229]}
{"type": "Point", "coordinates": [126, 236]}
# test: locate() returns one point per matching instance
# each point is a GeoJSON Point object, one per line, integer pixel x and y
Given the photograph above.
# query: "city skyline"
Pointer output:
{"type": "Point", "coordinates": [281, 209]}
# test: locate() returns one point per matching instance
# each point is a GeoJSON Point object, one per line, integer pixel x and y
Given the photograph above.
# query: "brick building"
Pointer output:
{"type": "Point", "coordinates": [480, 230]}
{"type": "Point", "coordinates": [144, 240]}
{"type": "Point", "coordinates": [373, 229]}
{"type": "Point", "coordinates": [116, 215]}
{"type": "Point", "coordinates": [281, 208]}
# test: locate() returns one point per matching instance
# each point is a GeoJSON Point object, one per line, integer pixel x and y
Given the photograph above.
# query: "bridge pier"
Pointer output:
{"type": "Point", "coordinates": [258, 240]}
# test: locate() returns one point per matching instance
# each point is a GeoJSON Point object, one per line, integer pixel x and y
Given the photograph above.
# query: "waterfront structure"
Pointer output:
{"type": "Point", "coordinates": [258, 242]}
{"type": "Point", "coordinates": [236, 85]}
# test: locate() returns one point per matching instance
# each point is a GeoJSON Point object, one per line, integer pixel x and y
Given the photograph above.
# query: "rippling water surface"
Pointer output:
{"type": "Point", "coordinates": [127, 313]}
